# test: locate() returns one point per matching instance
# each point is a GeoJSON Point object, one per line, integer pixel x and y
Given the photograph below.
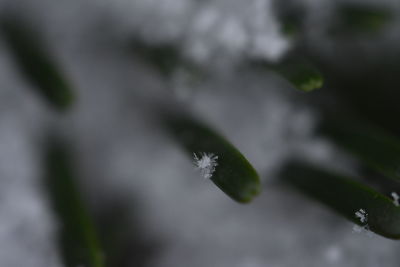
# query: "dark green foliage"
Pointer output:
{"type": "Point", "coordinates": [345, 196]}
{"type": "Point", "coordinates": [291, 15]}
{"type": "Point", "coordinates": [167, 59]}
{"type": "Point", "coordinates": [300, 73]}
{"type": "Point", "coordinates": [362, 19]}
{"type": "Point", "coordinates": [373, 146]}
{"type": "Point", "coordinates": [122, 236]}
{"type": "Point", "coordinates": [234, 175]}
{"type": "Point", "coordinates": [289, 28]}
{"type": "Point", "coordinates": [78, 239]}
{"type": "Point", "coordinates": [35, 62]}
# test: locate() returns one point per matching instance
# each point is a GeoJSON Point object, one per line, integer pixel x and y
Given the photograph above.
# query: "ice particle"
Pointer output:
{"type": "Point", "coordinates": [395, 197]}
{"type": "Point", "coordinates": [206, 163]}
{"type": "Point", "coordinates": [362, 215]}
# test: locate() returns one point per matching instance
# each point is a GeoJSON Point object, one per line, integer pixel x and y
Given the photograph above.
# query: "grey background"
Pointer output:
{"type": "Point", "coordinates": [123, 156]}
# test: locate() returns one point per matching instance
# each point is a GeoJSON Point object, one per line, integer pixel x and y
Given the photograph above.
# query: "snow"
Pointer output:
{"type": "Point", "coordinates": [395, 197]}
{"type": "Point", "coordinates": [122, 154]}
{"type": "Point", "coordinates": [362, 215]}
{"type": "Point", "coordinates": [333, 254]}
{"type": "Point", "coordinates": [206, 164]}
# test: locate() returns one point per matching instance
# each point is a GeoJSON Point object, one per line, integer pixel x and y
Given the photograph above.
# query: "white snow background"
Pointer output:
{"type": "Point", "coordinates": [121, 154]}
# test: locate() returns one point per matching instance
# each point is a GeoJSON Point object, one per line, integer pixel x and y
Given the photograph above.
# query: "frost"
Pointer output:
{"type": "Point", "coordinates": [362, 215]}
{"type": "Point", "coordinates": [395, 197]}
{"type": "Point", "coordinates": [206, 164]}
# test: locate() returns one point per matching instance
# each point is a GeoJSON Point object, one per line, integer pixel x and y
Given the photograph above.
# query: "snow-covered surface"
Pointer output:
{"type": "Point", "coordinates": [122, 153]}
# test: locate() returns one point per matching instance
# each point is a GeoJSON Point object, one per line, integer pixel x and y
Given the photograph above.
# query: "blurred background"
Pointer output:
{"type": "Point", "coordinates": [125, 58]}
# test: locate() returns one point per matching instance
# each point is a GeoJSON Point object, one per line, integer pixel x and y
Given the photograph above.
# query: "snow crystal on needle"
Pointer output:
{"type": "Point", "coordinates": [206, 164]}
{"type": "Point", "coordinates": [362, 215]}
{"type": "Point", "coordinates": [395, 197]}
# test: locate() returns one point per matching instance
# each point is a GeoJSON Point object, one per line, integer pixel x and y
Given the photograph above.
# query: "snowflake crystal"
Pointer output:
{"type": "Point", "coordinates": [362, 215]}
{"type": "Point", "coordinates": [395, 197]}
{"type": "Point", "coordinates": [206, 163]}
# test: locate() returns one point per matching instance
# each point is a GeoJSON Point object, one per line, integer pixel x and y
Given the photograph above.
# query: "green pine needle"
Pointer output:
{"type": "Point", "coordinates": [347, 197]}
{"type": "Point", "coordinates": [234, 175]}
{"type": "Point", "coordinates": [78, 238]}
{"type": "Point", "coordinates": [373, 146]}
{"type": "Point", "coordinates": [35, 62]}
